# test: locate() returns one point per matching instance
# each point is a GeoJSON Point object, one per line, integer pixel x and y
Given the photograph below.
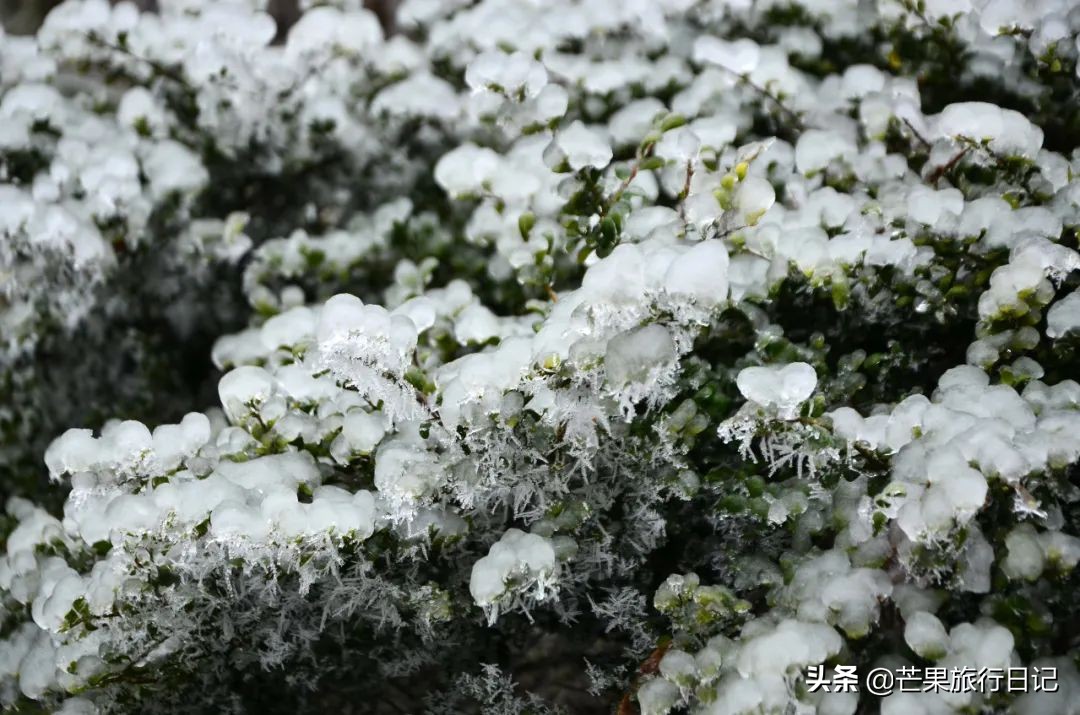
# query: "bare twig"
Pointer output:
{"type": "Point", "coordinates": [791, 114]}
{"type": "Point", "coordinates": [948, 166]}
{"type": "Point", "coordinates": [915, 132]}
{"type": "Point", "coordinates": [163, 70]}
{"type": "Point", "coordinates": [686, 189]}
{"type": "Point", "coordinates": [622, 188]}
{"type": "Point", "coordinates": [642, 155]}
{"type": "Point", "coordinates": [734, 229]}
{"type": "Point", "coordinates": [649, 667]}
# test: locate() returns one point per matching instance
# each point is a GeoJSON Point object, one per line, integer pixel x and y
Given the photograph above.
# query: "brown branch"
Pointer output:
{"type": "Point", "coordinates": [792, 115]}
{"type": "Point", "coordinates": [163, 70]}
{"type": "Point", "coordinates": [686, 189]}
{"type": "Point", "coordinates": [642, 155]}
{"type": "Point", "coordinates": [649, 667]}
{"type": "Point", "coordinates": [727, 232]}
{"type": "Point", "coordinates": [915, 132]}
{"type": "Point", "coordinates": [622, 188]}
{"type": "Point", "coordinates": [386, 11]}
{"type": "Point", "coordinates": [948, 166]}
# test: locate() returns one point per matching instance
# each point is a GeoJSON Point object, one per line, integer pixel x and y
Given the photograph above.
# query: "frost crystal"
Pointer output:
{"type": "Point", "coordinates": [783, 388]}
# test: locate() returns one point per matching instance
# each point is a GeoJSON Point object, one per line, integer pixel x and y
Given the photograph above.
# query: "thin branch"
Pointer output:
{"type": "Point", "coordinates": [647, 668]}
{"type": "Point", "coordinates": [915, 132]}
{"type": "Point", "coordinates": [792, 115]}
{"type": "Point", "coordinates": [734, 229]}
{"type": "Point", "coordinates": [163, 70]}
{"type": "Point", "coordinates": [642, 155]}
{"type": "Point", "coordinates": [623, 187]}
{"type": "Point", "coordinates": [686, 189]}
{"type": "Point", "coordinates": [948, 166]}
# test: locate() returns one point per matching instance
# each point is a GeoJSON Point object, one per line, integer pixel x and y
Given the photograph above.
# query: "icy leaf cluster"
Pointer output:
{"type": "Point", "coordinates": [538, 357]}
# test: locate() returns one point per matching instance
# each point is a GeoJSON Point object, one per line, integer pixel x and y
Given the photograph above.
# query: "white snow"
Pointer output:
{"type": "Point", "coordinates": [782, 388]}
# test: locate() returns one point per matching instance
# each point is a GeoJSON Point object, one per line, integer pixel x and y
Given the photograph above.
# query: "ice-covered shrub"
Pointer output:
{"type": "Point", "coordinates": [574, 357]}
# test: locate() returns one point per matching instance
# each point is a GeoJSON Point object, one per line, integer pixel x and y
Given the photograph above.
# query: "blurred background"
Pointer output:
{"type": "Point", "coordinates": [22, 17]}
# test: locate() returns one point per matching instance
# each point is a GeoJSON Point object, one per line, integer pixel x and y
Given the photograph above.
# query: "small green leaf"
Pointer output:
{"type": "Point", "coordinates": [672, 121]}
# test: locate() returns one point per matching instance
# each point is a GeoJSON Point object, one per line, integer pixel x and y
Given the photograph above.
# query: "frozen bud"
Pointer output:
{"type": "Point", "coordinates": [1062, 551]}
{"type": "Point", "coordinates": [680, 145]}
{"type": "Point", "coordinates": [516, 75]}
{"type": "Point", "coordinates": [467, 169]}
{"type": "Point", "coordinates": [236, 521]}
{"type": "Point", "coordinates": [579, 146]}
{"type": "Point", "coordinates": [679, 667]}
{"type": "Point", "coordinates": [1064, 316]}
{"type": "Point", "coordinates": [710, 660]}
{"type": "Point", "coordinates": [1024, 559]}
{"type": "Point", "coordinates": [78, 706]}
{"type": "Point", "coordinates": [173, 442]}
{"type": "Point", "coordinates": [363, 430]}
{"type": "Point", "coordinates": [817, 148]}
{"type": "Point", "coordinates": [140, 110]}
{"type": "Point", "coordinates": [790, 643]}
{"type": "Point", "coordinates": [753, 198]}
{"type": "Point", "coordinates": [633, 356]}
{"type": "Point", "coordinates": [741, 56]}
{"type": "Point", "coordinates": [406, 472]}
{"type": "Point", "coordinates": [926, 635]}
{"type": "Point", "coordinates": [517, 558]}
{"type": "Point", "coordinates": [783, 388]}
{"type": "Point", "coordinates": [243, 387]}
{"type": "Point", "coordinates": [325, 28]}
{"type": "Point", "coordinates": [1007, 131]}
{"type": "Point", "coordinates": [293, 328]}
{"type": "Point", "coordinates": [657, 696]}
{"type": "Point", "coordinates": [74, 451]}
{"type": "Point", "coordinates": [928, 206]}
{"type": "Point", "coordinates": [551, 103]}
{"type": "Point", "coordinates": [341, 315]}
{"type": "Point", "coordinates": [421, 311]}
{"type": "Point", "coordinates": [700, 274]}
{"type": "Point", "coordinates": [476, 324]}
{"type": "Point", "coordinates": [173, 168]}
